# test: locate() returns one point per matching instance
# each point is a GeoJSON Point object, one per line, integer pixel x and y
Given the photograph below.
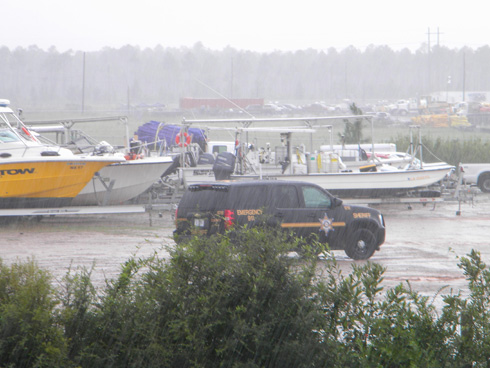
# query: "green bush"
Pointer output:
{"type": "Point", "coordinates": [213, 303]}
{"type": "Point", "coordinates": [29, 334]}
{"type": "Point", "coordinates": [77, 298]}
{"type": "Point", "coordinates": [363, 328]}
{"type": "Point", "coordinates": [218, 302]}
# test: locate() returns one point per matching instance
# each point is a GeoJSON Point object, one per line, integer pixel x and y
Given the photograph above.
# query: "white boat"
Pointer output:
{"type": "Point", "coordinates": [370, 184]}
{"type": "Point", "coordinates": [116, 183]}
{"type": "Point", "coordinates": [385, 181]}
{"type": "Point", "coordinates": [376, 178]}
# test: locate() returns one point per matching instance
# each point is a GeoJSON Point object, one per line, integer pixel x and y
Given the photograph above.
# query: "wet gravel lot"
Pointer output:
{"type": "Point", "coordinates": [422, 244]}
{"type": "Point", "coordinates": [105, 241]}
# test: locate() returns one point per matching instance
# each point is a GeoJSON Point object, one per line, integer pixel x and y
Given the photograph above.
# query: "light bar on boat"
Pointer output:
{"type": "Point", "coordinates": [4, 102]}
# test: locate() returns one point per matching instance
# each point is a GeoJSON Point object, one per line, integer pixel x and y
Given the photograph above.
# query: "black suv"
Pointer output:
{"type": "Point", "coordinates": [304, 208]}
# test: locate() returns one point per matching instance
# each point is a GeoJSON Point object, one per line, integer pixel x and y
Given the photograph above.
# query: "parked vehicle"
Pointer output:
{"type": "Point", "coordinates": [404, 107]}
{"type": "Point", "coordinates": [477, 174]}
{"type": "Point", "coordinates": [301, 207]}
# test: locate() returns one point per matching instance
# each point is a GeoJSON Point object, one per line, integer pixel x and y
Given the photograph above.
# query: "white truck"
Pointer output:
{"type": "Point", "coordinates": [404, 107]}
{"type": "Point", "coordinates": [477, 174]}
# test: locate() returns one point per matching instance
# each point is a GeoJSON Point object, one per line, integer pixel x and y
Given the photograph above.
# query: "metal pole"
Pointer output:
{"type": "Point", "coordinates": [311, 142]}
{"type": "Point", "coordinates": [83, 84]}
{"type": "Point", "coordinates": [411, 142]}
{"type": "Point", "coordinates": [126, 126]}
{"type": "Point", "coordinates": [420, 147]}
{"type": "Point", "coordinates": [464, 75]}
{"type": "Point", "coordinates": [372, 138]}
{"type": "Point", "coordinates": [330, 133]}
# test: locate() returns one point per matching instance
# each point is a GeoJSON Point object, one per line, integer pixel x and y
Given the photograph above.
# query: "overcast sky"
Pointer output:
{"type": "Point", "coordinates": [257, 25]}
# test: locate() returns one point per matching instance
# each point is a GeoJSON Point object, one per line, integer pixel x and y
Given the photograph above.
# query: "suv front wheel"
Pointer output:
{"type": "Point", "coordinates": [361, 244]}
{"type": "Point", "coordinates": [484, 183]}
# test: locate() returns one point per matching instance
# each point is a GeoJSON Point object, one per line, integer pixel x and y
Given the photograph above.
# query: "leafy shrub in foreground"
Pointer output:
{"type": "Point", "coordinates": [241, 303]}
{"type": "Point", "coordinates": [29, 334]}
{"type": "Point", "coordinates": [214, 303]}
{"type": "Point", "coordinates": [363, 328]}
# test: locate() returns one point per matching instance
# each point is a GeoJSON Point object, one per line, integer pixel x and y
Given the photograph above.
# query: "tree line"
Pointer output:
{"type": "Point", "coordinates": [131, 75]}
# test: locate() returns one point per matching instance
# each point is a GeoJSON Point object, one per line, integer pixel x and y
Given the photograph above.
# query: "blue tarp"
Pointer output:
{"type": "Point", "coordinates": [158, 131]}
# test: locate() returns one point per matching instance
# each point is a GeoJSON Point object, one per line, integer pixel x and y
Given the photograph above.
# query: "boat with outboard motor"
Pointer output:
{"type": "Point", "coordinates": [117, 183]}
{"type": "Point", "coordinates": [377, 178]}
{"type": "Point", "coordinates": [33, 174]}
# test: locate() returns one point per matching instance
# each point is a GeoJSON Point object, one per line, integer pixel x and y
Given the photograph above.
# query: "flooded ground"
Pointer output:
{"type": "Point", "coordinates": [105, 241]}
{"type": "Point", "coordinates": [422, 244]}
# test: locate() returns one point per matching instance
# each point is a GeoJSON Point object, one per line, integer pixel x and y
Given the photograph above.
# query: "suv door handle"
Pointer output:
{"type": "Point", "coordinates": [311, 215]}
{"type": "Point", "coordinates": [279, 214]}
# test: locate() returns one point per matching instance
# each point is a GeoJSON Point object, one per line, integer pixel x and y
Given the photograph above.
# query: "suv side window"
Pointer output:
{"type": "Point", "coordinates": [250, 197]}
{"type": "Point", "coordinates": [285, 196]}
{"type": "Point", "coordinates": [315, 198]}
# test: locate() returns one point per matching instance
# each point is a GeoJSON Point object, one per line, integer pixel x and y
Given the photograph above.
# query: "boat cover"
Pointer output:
{"type": "Point", "coordinates": [164, 134]}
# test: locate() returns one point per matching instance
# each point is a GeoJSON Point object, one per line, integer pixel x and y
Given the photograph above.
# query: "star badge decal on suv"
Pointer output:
{"type": "Point", "coordinates": [326, 224]}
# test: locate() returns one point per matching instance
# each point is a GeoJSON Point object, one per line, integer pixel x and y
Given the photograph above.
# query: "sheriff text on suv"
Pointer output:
{"type": "Point", "coordinates": [304, 208]}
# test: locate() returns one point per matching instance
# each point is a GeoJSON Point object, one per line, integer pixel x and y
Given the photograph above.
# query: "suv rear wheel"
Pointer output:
{"type": "Point", "coordinates": [361, 244]}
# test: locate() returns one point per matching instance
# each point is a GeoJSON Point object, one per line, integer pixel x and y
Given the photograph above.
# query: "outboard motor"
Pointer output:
{"type": "Point", "coordinates": [206, 159]}
{"type": "Point", "coordinates": [224, 165]}
{"type": "Point", "coordinates": [135, 146]}
{"type": "Point", "coordinates": [172, 169]}
{"type": "Point", "coordinates": [190, 159]}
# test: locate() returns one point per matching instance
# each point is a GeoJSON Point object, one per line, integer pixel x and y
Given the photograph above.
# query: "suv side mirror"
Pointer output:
{"type": "Point", "coordinates": [336, 202]}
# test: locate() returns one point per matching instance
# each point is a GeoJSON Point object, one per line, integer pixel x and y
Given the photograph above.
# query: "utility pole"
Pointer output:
{"type": "Point", "coordinates": [128, 102]}
{"type": "Point", "coordinates": [428, 61]}
{"type": "Point", "coordinates": [231, 78]}
{"type": "Point", "coordinates": [464, 76]}
{"type": "Point", "coordinates": [429, 84]}
{"type": "Point", "coordinates": [83, 84]}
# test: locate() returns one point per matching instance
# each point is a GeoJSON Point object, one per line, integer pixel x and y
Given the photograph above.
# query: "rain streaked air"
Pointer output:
{"type": "Point", "coordinates": [269, 186]}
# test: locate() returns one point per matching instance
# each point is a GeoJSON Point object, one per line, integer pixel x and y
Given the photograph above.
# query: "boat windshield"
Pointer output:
{"type": "Point", "coordinates": [13, 130]}
{"type": "Point", "coordinates": [7, 136]}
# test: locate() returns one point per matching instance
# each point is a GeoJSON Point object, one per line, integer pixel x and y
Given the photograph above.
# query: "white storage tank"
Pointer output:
{"type": "Point", "coordinates": [330, 162]}
{"type": "Point", "coordinates": [312, 163]}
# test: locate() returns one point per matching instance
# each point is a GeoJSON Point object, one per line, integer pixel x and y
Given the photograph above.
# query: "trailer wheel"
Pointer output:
{"type": "Point", "coordinates": [484, 183]}
{"type": "Point", "coordinates": [361, 244]}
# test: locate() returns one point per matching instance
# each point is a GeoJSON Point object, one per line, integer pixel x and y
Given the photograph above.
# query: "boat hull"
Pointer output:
{"type": "Point", "coordinates": [41, 182]}
{"type": "Point", "coordinates": [374, 184]}
{"type": "Point", "coordinates": [355, 184]}
{"type": "Point", "coordinates": [121, 182]}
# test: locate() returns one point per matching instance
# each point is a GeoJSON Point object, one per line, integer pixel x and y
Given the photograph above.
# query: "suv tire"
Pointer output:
{"type": "Point", "coordinates": [361, 244]}
{"type": "Point", "coordinates": [484, 183]}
